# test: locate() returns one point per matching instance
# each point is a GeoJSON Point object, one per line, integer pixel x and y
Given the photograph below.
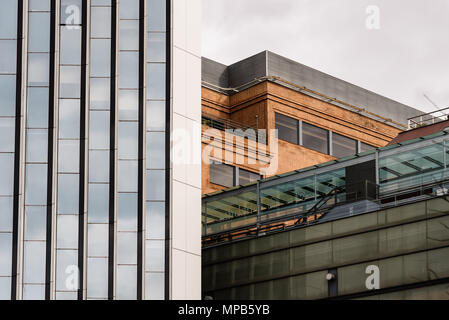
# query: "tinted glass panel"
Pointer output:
{"type": "Point", "coordinates": [222, 174]}
{"type": "Point", "coordinates": [246, 177]}
{"type": "Point", "coordinates": [8, 58]}
{"type": "Point", "coordinates": [315, 138]}
{"type": "Point", "coordinates": [366, 147]}
{"type": "Point", "coordinates": [37, 113]}
{"type": "Point", "coordinates": [7, 95]}
{"type": "Point", "coordinates": [343, 146]}
{"type": "Point", "coordinates": [38, 69]}
{"type": "Point", "coordinates": [101, 22]}
{"type": "Point", "coordinates": [156, 81]}
{"type": "Point", "coordinates": [287, 128]}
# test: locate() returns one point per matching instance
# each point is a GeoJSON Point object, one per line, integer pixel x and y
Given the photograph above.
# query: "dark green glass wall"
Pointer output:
{"type": "Point", "coordinates": [409, 244]}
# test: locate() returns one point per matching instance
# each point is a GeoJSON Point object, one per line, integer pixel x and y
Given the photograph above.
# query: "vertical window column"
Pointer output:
{"type": "Point", "coordinates": [69, 151]}
{"type": "Point", "coordinates": [128, 150]}
{"type": "Point", "coordinates": [99, 151]}
{"type": "Point", "coordinates": [36, 151]}
{"type": "Point", "coordinates": [155, 150]}
{"type": "Point", "coordinates": [8, 106]}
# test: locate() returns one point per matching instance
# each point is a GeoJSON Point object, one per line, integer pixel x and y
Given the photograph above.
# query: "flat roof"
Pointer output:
{"type": "Point", "coordinates": [242, 74]}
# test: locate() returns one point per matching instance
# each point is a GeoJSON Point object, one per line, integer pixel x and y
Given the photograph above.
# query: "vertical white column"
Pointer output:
{"type": "Point", "coordinates": [185, 249]}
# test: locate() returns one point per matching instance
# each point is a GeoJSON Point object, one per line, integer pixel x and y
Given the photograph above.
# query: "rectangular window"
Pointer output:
{"type": "Point", "coordinates": [222, 174]}
{"type": "Point", "coordinates": [366, 147]}
{"type": "Point", "coordinates": [287, 128]}
{"type": "Point", "coordinates": [315, 138]}
{"type": "Point", "coordinates": [343, 146]}
{"type": "Point", "coordinates": [246, 177]}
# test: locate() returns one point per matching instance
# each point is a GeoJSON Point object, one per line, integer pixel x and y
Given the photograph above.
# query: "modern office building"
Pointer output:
{"type": "Point", "coordinates": [318, 117]}
{"type": "Point", "coordinates": [374, 225]}
{"type": "Point", "coordinates": [93, 202]}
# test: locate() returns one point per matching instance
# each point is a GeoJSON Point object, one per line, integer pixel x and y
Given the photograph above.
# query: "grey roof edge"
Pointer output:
{"type": "Point", "coordinates": [242, 75]}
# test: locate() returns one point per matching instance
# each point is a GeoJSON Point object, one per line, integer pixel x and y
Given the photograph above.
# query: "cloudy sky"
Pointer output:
{"type": "Point", "coordinates": [405, 58]}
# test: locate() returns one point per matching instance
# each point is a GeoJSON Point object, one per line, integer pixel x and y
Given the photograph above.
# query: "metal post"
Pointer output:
{"type": "Point", "coordinates": [258, 203]}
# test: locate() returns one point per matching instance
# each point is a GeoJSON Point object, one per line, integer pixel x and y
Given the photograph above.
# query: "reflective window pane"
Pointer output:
{"type": "Point", "coordinates": [366, 147]}
{"type": "Point", "coordinates": [70, 82]}
{"type": "Point", "coordinates": [38, 69]}
{"type": "Point", "coordinates": [100, 22]}
{"type": "Point", "coordinates": [155, 255]}
{"type": "Point", "coordinates": [155, 220]}
{"type": "Point", "coordinates": [68, 190]}
{"type": "Point", "coordinates": [70, 52]}
{"type": "Point", "coordinates": [129, 35]}
{"type": "Point", "coordinates": [36, 145]}
{"type": "Point", "coordinates": [315, 138]}
{"type": "Point", "coordinates": [39, 32]}
{"type": "Point", "coordinates": [156, 81]}
{"type": "Point", "coordinates": [8, 58]}
{"type": "Point", "coordinates": [37, 112]}
{"type": "Point", "coordinates": [127, 212]}
{"type": "Point", "coordinates": [5, 254]}
{"type": "Point", "coordinates": [39, 5]}
{"type": "Point", "coordinates": [33, 292]}
{"type": "Point", "coordinates": [68, 160]}
{"type": "Point", "coordinates": [246, 177]}
{"type": "Point", "coordinates": [155, 150]}
{"type": "Point", "coordinates": [126, 282]}
{"type": "Point", "coordinates": [128, 102]}
{"type": "Point", "coordinates": [98, 240]}
{"type": "Point", "coordinates": [8, 19]}
{"type": "Point", "coordinates": [343, 146]}
{"type": "Point", "coordinates": [127, 176]}
{"type": "Point", "coordinates": [71, 12]}
{"type": "Point", "coordinates": [36, 177]}
{"type": "Point", "coordinates": [98, 203]}
{"type": "Point", "coordinates": [7, 95]}
{"type": "Point", "coordinates": [222, 174]}
{"type": "Point", "coordinates": [154, 286]}
{"type": "Point", "coordinates": [7, 134]}
{"type": "Point", "coordinates": [129, 9]}
{"type": "Point", "coordinates": [156, 15]}
{"type": "Point", "coordinates": [128, 70]}
{"type": "Point", "coordinates": [67, 270]}
{"type": "Point", "coordinates": [5, 288]}
{"type": "Point", "coordinates": [35, 223]}
{"type": "Point", "coordinates": [155, 185]}
{"type": "Point", "coordinates": [128, 138]}
{"type": "Point", "coordinates": [100, 65]}
{"type": "Point", "coordinates": [156, 115]}
{"type": "Point", "coordinates": [67, 227]}
{"type": "Point", "coordinates": [99, 129]}
{"type": "Point", "coordinates": [7, 174]}
{"type": "Point", "coordinates": [287, 128]}
{"type": "Point", "coordinates": [156, 47]}
{"type": "Point", "coordinates": [34, 261]}
{"type": "Point", "coordinates": [98, 166]}
{"type": "Point", "coordinates": [69, 119]}
{"type": "Point", "coordinates": [127, 247]}
{"type": "Point", "coordinates": [6, 215]}
{"type": "Point", "coordinates": [97, 278]}
{"type": "Point", "coordinates": [100, 93]}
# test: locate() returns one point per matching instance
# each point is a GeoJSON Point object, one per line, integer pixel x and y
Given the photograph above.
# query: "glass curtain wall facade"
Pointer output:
{"type": "Point", "coordinates": [86, 121]}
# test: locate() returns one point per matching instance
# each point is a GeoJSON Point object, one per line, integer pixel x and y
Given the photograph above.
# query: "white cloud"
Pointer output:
{"type": "Point", "coordinates": [406, 58]}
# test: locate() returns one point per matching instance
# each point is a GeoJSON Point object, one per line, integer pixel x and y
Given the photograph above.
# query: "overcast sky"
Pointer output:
{"type": "Point", "coordinates": [408, 55]}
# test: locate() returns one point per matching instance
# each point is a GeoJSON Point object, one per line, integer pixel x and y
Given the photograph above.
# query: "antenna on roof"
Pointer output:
{"type": "Point", "coordinates": [431, 101]}
{"type": "Point", "coordinates": [434, 104]}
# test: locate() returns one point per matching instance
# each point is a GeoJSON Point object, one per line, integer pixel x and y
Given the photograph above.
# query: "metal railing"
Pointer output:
{"type": "Point", "coordinates": [319, 214]}
{"type": "Point", "coordinates": [428, 118]}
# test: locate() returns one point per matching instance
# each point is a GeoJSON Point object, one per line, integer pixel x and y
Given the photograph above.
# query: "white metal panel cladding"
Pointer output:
{"type": "Point", "coordinates": [86, 123]}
